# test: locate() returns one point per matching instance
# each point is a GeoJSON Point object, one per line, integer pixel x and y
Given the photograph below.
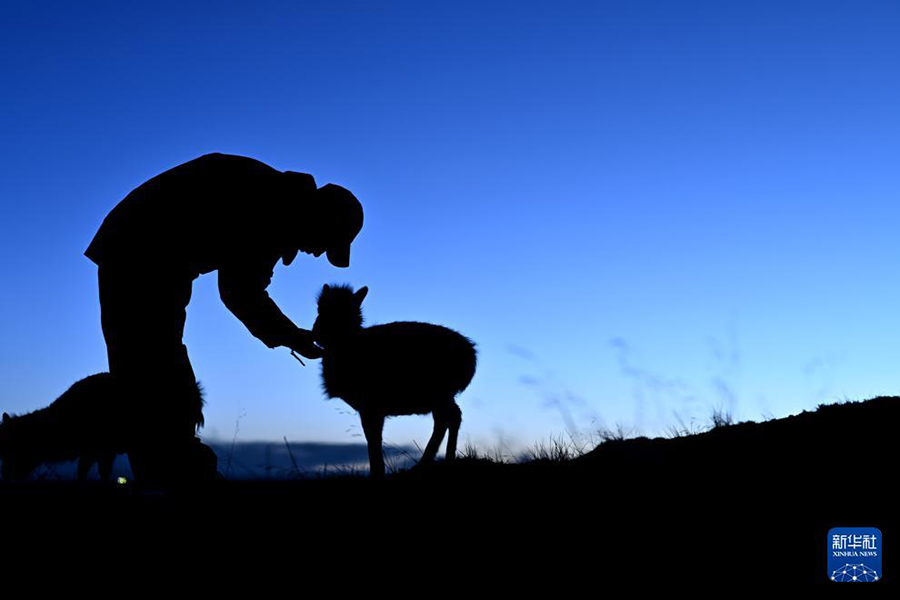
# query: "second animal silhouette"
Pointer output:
{"type": "Point", "coordinates": [401, 368]}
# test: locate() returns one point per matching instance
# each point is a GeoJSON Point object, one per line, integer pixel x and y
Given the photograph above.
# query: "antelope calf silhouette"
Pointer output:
{"type": "Point", "coordinates": [400, 368]}
{"type": "Point", "coordinates": [82, 424]}
{"type": "Point", "coordinates": [90, 422]}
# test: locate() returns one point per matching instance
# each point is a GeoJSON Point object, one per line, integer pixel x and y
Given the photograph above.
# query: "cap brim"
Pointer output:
{"type": "Point", "coordinates": [339, 257]}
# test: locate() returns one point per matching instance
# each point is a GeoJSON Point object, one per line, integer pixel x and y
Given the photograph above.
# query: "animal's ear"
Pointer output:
{"type": "Point", "coordinates": [360, 294]}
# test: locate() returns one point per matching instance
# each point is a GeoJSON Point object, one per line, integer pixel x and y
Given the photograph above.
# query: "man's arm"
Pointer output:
{"type": "Point", "coordinates": [242, 287]}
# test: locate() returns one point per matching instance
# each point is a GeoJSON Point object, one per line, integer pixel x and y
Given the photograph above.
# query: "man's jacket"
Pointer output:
{"type": "Point", "coordinates": [217, 212]}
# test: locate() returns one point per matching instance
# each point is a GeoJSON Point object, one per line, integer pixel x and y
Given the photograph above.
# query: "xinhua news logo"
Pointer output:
{"type": "Point", "coordinates": [854, 554]}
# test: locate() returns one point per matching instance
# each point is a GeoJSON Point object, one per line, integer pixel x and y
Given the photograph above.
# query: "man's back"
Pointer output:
{"type": "Point", "coordinates": [214, 208]}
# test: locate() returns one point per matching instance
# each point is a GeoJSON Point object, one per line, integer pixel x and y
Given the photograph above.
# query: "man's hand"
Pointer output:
{"type": "Point", "coordinates": [301, 342]}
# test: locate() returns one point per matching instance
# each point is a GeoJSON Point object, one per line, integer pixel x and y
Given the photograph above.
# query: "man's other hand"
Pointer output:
{"type": "Point", "coordinates": [301, 342]}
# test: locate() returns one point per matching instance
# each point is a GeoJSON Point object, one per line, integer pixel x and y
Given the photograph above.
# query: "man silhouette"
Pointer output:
{"type": "Point", "coordinates": [218, 212]}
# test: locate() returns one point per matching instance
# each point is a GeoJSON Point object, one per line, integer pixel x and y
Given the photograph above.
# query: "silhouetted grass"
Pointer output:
{"type": "Point", "coordinates": [556, 449]}
{"type": "Point", "coordinates": [497, 454]}
{"type": "Point", "coordinates": [720, 418]}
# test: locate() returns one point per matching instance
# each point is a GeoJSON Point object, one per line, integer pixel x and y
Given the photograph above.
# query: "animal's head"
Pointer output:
{"type": "Point", "coordinates": [18, 459]}
{"type": "Point", "coordinates": [340, 314]}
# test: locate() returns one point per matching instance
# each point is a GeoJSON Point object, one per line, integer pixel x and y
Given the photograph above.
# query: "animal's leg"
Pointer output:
{"type": "Point", "coordinates": [373, 424]}
{"type": "Point", "coordinates": [85, 462]}
{"type": "Point", "coordinates": [441, 422]}
{"type": "Point", "coordinates": [105, 465]}
{"type": "Point", "coordinates": [455, 422]}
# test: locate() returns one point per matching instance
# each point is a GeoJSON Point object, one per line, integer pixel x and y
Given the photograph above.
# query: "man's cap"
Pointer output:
{"type": "Point", "coordinates": [300, 182]}
{"type": "Point", "coordinates": [344, 222]}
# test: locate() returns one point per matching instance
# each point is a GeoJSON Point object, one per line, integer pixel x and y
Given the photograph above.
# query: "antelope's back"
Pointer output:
{"type": "Point", "coordinates": [409, 364]}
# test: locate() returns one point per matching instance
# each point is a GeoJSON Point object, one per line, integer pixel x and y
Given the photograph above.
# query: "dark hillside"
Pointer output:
{"type": "Point", "coordinates": [744, 502]}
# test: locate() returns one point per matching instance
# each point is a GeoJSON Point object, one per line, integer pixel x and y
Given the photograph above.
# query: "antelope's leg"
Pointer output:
{"type": "Point", "coordinates": [373, 424]}
{"type": "Point", "coordinates": [85, 462]}
{"type": "Point", "coordinates": [105, 465]}
{"type": "Point", "coordinates": [441, 423]}
{"type": "Point", "coordinates": [455, 422]}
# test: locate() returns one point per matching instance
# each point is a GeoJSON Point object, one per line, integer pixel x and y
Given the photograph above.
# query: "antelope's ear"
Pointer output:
{"type": "Point", "coordinates": [360, 294]}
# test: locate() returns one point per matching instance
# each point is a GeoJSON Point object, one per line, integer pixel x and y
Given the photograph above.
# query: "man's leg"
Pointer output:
{"type": "Point", "coordinates": [143, 315]}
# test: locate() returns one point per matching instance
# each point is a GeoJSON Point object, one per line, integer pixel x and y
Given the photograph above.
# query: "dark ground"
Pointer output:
{"type": "Point", "coordinates": [745, 503]}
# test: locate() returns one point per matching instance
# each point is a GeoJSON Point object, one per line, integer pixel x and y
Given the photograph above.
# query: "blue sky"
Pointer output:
{"type": "Point", "coordinates": [640, 211]}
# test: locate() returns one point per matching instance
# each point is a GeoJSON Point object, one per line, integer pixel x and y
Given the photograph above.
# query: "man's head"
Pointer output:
{"type": "Point", "coordinates": [328, 224]}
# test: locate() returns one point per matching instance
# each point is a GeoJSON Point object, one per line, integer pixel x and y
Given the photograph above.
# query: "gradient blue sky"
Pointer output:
{"type": "Point", "coordinates": [640, 211]}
